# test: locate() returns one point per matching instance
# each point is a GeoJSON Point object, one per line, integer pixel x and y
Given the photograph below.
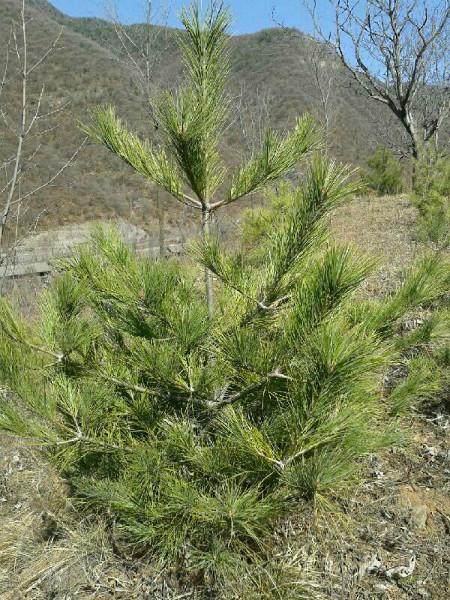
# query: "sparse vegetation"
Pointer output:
{"type": "Point", "coordinates": [384, 172]}
{"type": "Point", "coordinates": [432, 198]}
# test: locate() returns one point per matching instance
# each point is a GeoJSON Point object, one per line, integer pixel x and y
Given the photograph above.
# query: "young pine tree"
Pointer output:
{"type": "Point", "coordinates": [193, 119]}
{"type": "Point", "coordinates": [384, 173]}
{"type": "Point", "coordinates": [196, 435]}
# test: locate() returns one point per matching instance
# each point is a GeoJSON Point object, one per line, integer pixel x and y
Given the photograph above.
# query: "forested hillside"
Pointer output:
{"type": "Point", "coordinates": [272, 73]}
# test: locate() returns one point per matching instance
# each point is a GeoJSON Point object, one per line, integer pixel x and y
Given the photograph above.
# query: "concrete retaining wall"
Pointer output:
{"type": "Point", "coordinates": [37, 252]}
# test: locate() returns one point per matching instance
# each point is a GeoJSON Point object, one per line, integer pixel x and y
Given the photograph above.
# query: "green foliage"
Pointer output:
{"type": "Point", "coordinates": [155, 165]}
{"type": "Point", "coordinates": [384, 173]}
{"type": "Point", "coordinates": [277, 156]}
{"type": "Point", "coordinates": [194, 435]}
{"type": "Point", "coordinates": [193, 120]}
{"type": "Point", "coordinates": [257, 224]}
{"type": "Point", "coordinates": [432, 198]}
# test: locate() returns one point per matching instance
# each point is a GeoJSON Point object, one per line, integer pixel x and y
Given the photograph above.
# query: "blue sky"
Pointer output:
{"type": "Point", "coordinates": [248, 15]}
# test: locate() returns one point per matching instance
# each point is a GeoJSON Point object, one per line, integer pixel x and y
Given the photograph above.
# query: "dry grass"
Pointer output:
{"type": "Point", "coordinates": [401, 510]}
{"type": "Point", "coordinates": [47, 552]}
{"type": "Point", "coordinates": [384, 227]}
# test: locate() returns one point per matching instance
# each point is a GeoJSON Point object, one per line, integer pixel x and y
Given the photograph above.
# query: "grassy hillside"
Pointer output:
{"type": "Point", "coordinates": [271, 67]}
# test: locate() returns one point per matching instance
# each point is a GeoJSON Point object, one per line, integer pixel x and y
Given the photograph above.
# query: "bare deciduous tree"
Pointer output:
{"type": "Point", "coordinates": [253, 117]}
{"type": "Point", "coordinates": [24, 124]}
{"type": "Point", "coordinates": [397, 51]}
{"type": "Point", "coordinates": [142, 48]}
{"type": "Point", "coordinates": [324, 68]}
{"type": "Point", "coordinates": [138, 44]}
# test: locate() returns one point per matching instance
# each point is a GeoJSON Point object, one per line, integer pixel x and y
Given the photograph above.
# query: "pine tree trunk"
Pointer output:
{"type": "Point", "coordinates": [206, 216]}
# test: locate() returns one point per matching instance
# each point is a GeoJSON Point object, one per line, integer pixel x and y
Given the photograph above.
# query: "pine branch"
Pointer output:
{"type": "Point", "coordinates": [192, 127]}
{"type": "Point", "coordinates": [194, 117]}
{"type": "Point", "coordinates": [124, 384]}
{"type": "Point", "coordinates": [425, 283]}
{"type": "Point", "coordinates": [276, 158]}
{"type": "Point", "coordinates": [225, 400]}
{"type": "Point", "coordinates": [107, 129]}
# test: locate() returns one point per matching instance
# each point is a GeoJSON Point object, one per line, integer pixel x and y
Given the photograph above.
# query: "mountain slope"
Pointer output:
{"type": "Point", "coordinates": [270, 69]}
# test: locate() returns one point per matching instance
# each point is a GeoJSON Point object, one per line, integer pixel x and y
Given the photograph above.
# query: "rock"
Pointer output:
{"type": "Point", "coordinates": [403, 570]}
{"type": "Point", "coordinates": [414, 506]}
{"type": "Point", "coordinates": [419, 516]}
{"type": "Point", "coordinates": [371, 565]}
{"type": "Point", "coordinates": [381, 587]}
{"type": "Point", "coordinates": [430, 451]}
{"type": "Point", "coordinates": [423, 593]}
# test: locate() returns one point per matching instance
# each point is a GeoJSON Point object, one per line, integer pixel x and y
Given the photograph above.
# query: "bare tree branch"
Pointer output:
{"type": "Point", "coordinates": [23, 126]}
{"type": "Point", "coordinates": [395, 50]}
{"type": "Point", "coordinates": [138, 44]}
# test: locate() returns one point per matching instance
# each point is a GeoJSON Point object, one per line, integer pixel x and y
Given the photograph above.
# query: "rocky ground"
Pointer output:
{"type": "Point", "coordinates": [391, 539]}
